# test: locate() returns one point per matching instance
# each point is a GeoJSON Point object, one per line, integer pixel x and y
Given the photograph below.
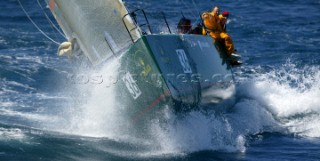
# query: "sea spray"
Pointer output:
{"type": "Point", "coordinates": [96, 112]}
{"type": "Point", "coordinates": [263, 103]}
{"type": "Point", "coordinates": [290, 94]}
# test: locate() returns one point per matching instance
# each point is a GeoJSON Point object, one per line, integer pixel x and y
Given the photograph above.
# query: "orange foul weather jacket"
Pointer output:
{"type": "Point", "coordinates": [212, 23]}
{"type": "Point", "coordinates": [223, 22]}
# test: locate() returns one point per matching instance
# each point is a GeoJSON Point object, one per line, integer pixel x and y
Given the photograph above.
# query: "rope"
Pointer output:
{"type": "Point", "coordinates": [195, 5]}
{"type": "Point", "coordinates": [188, 7]}
{"type": "Point", "coordinates": [49, 20]}
{"type": "Point", "coordinates": [35, 25]}
{"type": "Point", "coordinates": [197, 9]}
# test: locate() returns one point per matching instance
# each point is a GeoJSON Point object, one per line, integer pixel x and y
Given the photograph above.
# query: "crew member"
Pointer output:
{"type": "Point", "coordinates": [212, 24]}
{"type": "Point", "coordinates": [184, 25]}
{"type": "Point", "coordinates": [223, 20]}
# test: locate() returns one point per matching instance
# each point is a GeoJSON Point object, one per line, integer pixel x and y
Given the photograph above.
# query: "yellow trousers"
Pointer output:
{"type": "Point", "coordinates": [226, 38]}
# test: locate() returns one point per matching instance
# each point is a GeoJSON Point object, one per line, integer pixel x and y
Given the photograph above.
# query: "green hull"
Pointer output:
{"type": "Point", "coordinates": [172, 70]}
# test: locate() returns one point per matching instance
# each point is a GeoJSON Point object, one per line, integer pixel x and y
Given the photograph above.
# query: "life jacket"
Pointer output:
{"type": "Point", "coordinates": [211, 22]}
{"type": "Point", "coordinates": [223, 22]}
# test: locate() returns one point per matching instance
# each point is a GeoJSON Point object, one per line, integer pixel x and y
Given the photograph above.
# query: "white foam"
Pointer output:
{"type": "Point", "coordinates": [33, 59]}
{"type": "Point", "coordinates": [291, 95]}
{"type": "Point", "coordinates": [6, 104]}
{"type": "Point", "coordinates": [28, 116]}
{"type": "Point", "coordinates": [198, 131]}
{"type": "Point", "coordinates": [11, 134]}
{"type": "Point", "coordinates": [17, 84]}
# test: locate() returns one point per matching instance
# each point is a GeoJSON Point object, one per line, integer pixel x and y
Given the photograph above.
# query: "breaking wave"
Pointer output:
{"type": "Point", "coordinates": [290, 94]}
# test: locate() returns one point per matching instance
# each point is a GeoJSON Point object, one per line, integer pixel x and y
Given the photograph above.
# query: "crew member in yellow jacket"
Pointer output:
{"type": "Point", "coordinates": [212, 24]}
{"type": "Point", "coordinates": [223, 20]}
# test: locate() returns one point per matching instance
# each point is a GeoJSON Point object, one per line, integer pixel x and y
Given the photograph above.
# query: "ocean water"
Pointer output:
{"type": "Point", "coordinates": [275, 114]}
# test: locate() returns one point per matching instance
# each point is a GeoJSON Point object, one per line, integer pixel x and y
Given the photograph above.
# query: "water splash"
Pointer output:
{"type": "Point", "coordinates": [226, 130]}
{"type": "Point", "coordinates": [281, 100]}
{"type": "Point", "coordinates": [95, 111]}
{"type": "Point", "coordinates": [291, 95]}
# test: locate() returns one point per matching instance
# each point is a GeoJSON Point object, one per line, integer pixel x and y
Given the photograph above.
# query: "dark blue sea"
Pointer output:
{"type": "Point", "coordinates": [275, 115]}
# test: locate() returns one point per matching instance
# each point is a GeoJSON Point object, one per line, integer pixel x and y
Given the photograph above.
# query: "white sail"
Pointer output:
{"type": "Point", "coordinates": [96, 25]}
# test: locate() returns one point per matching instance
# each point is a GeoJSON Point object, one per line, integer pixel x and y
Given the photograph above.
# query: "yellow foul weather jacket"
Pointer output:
{"type": "Point", "coordinates": [212, 24]}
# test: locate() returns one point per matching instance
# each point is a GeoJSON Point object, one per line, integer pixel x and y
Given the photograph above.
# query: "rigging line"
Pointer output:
{"type": "Point", "coordinates": [55, 34]}
{"type": "Point", "coordinates": [195, 5]}
{"type": "Point", "coordinates": [186, 5]}
{"type": "Point", "coordinates": [43, 33]}
{"type": "Point", "coordinates": [197, 9]}
{"type": "Point", "coordinates": [49, 20]}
